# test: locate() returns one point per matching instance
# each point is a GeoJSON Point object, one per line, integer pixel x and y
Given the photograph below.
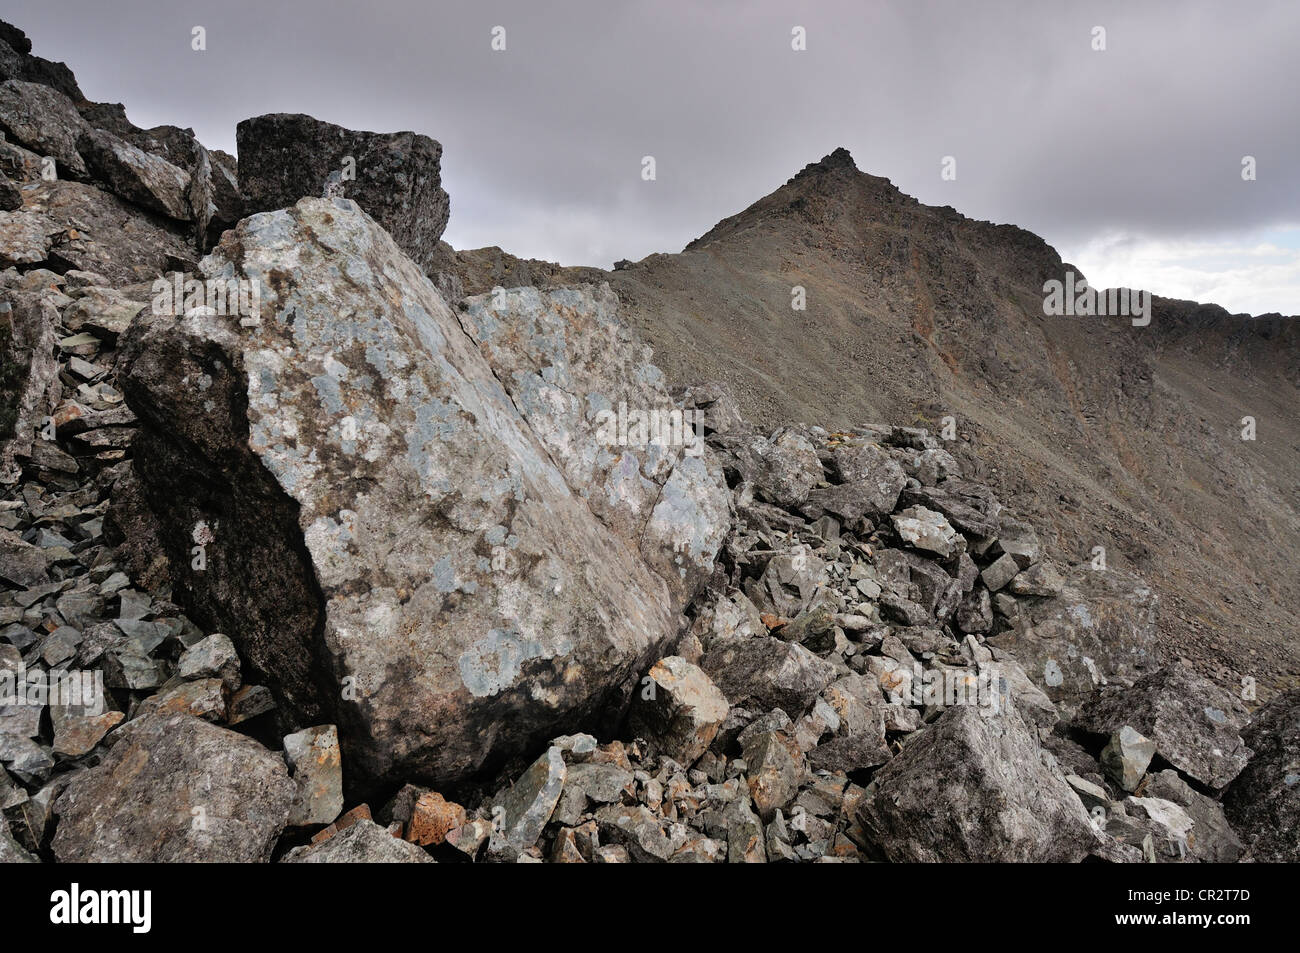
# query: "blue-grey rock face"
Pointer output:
{"type": "Point", "coordinates": [459, 586]}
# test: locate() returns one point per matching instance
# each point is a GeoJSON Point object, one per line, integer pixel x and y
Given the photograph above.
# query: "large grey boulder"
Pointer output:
{"type": "Point", "coordinates": [603, 412]}
{"type": "Point", "coordinates": [284, 157]}
{"type": "Point", "coordinates": [1100, 629]}
{"type": "Point", "coordinates": [175, 788]}
{"type": "Point", "coordinates": [45, 121]}
{"type": "Point", "coordinates": [389, 544]}
{"type": "Point", "coordinates": [1194, 723]}
{"type": "Point", "coordinates": [1263, 803]}
{"type": "Point", "coordinates": [140, 177]}
{"type": "Point", "coordinates": [975, 786]}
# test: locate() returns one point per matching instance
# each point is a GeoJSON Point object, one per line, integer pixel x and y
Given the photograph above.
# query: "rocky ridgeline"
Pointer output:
{"type": "Point", "coordinates": [358, 571]}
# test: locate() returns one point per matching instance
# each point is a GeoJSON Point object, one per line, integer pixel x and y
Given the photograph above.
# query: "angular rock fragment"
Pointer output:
{"type": "Point", "coordinates": [1194, 724]}
{"type": "Point", "coordinates": [680, 712]}
{"type": "Point", "coordinates": [313, 757]}
{"type": "Point", "coordinates": [45, 121]}
{"type": "Point", "coordinates": [362, 843]}
{"type": "Point", "coordinates": [974, 787]}
{"type": "Point", "coordinates": [213, 657]}
{"type": "Point", "coordinates": [139, 177]}
{"type": "Point", "coordinates": [527, 805]}
{"type": "Point", "coordinates": [174, 788]}
{"type": "Point", "coordinates": [1126, 757]}
{"type": "Point", "coordinates": [1000, 572]}
{"type": "Point", "coordinates": [433, 817]}
{"type": "Point", "coordinates": [766, 673]}
{"type": "Point", "coordinates": [927, 530]}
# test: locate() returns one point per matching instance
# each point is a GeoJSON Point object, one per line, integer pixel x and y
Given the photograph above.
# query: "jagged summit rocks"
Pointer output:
{"type": "Point", "coordinates": [396, 177]}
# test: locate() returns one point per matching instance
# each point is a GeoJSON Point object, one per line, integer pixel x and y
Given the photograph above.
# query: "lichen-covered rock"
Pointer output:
{"type": "Point", "coordinates": [1100, 629]}
{"type": "Point", "coordinates": [284, 157]}
{"type": "Point", "coordinates": [29, 382]}
{"type": "Point", "coordinates": [391, 548]}
{"type": "Point", "coordinates": [1263, 802]}
{"type": "Point", "coordinates": [1194, 723]}
{"type": "Point", "coordinates": [140, 177]}
{"type": "Point", "coordinates": [604, 413]}
{"type": "Point", "coordinates": [175, 788]}
{"type": "Point", "coordinates": [975, 786]}
{"type": "Point", "coordinates": [45, 121]}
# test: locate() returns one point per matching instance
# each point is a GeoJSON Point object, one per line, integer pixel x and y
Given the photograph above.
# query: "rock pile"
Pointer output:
{"type": "Point", "coordinates": [269, 560]}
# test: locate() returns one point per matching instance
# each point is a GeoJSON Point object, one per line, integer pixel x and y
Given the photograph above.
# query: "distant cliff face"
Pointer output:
{"type": "Point", "coordinates": [1119, 436]}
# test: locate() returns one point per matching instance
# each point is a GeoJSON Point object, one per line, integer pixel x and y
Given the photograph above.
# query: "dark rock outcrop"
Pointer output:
{"type": "Point", "coordinates": [284, 157]}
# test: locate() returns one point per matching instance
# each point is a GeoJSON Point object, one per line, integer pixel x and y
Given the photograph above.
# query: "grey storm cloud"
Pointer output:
{"type": "Point", "coordinates": [543, 142]}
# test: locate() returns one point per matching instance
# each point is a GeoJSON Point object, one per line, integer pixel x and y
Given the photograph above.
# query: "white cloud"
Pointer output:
{"type": "Point", "coordinates": [1255, 273]}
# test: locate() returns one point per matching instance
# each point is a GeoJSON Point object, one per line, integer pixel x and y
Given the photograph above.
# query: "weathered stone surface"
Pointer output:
{"type": "Point", "coordinates": [284, 157]}
{"type": "Point", "coordinates": [1263, 802]}
{"type": "Point", "coordinates": [927, 530]}
{"type": "Point", "coordinates": [78, 728]}
{"type": "Point", "coordinates": [680, 713]}
{"type": "Point", "coordinates": [970, 507]}
{"type": "Point", "coordinates": [1126, 757]}
{"type": "Point", "coordinates": [11, 852]}
{"type": "Point", "coordinates": [1040, 579]}
{"type": "Point", "coordinates": [21, 563]}
{"type": "Point", "coordinates": [1000, 572]}
{"type": "Point", "coordinates": [1100, 629]}
{"type": "Point", "coordinates": [774, 768]}
{"type": "Point", "coordinates": [783, 469]}
{"type": "Point", "coordinates": [212, 657]}
{"type": "Point", "coordinates": [1195, 724]}
{"type": "Point", "coordinates": [1211, 839]}
{"type": "Point", "coordinates": [104, 312]}
{"type": "Point", "coordinates": [975, 613]}
{"type": "Point", "coordinates": [1018, 540]}
{"type": "Point", "coordinates": [313, 757]}
{"type": "Point", "coordinates": [349, 484]}
{"type": "Point", "coordinates": [433, 817]}
{"type": "Point", "coordinates": [76, 226]}
{"type": "Point", "coordinates": [975, 787]}
{"type": "Point", "coordinates": [364, 842]}
{"type": "Point", "coordinates": [175, 788]}
{"type": "Point", "coordinates": [637, 829]}
{"type": "Point", "coordinates": [766, 673]}
{"type": "Point", "coordinates": [44, 121]}
{"type": "Point", "coordinates": [527, 805]}
{"type": "Point", "coordinates": [139, 177]}
{"type": "Point", "coordinates": [28, 375]}
{"type": "Point", "coordinates": [604, 414]}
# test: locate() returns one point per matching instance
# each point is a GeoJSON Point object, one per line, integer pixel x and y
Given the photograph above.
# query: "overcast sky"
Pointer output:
{"type": "Point", "coordinates": [1128, 160]}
